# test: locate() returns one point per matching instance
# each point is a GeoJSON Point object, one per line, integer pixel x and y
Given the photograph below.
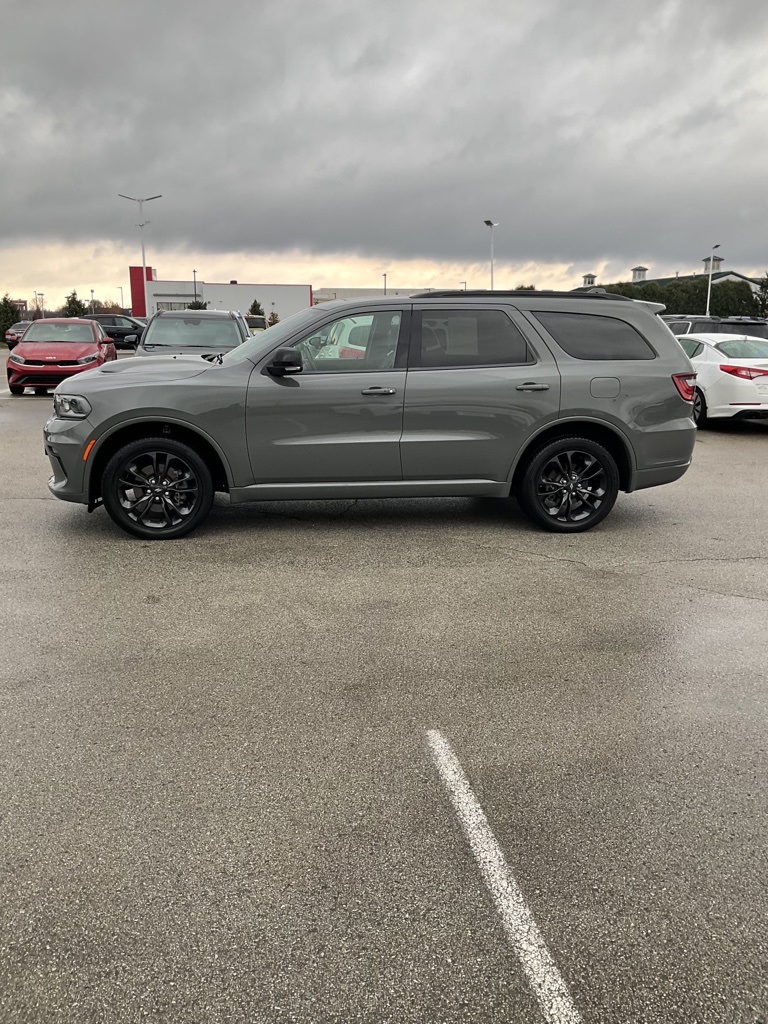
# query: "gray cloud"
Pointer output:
{"type": "Point", "coordinates": [591, 131]}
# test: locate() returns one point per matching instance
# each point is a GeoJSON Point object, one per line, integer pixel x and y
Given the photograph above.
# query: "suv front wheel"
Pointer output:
{"type": "Point", "coordinates": [569, 485]}
{"type": "Point", "coordinates": [157, 488]}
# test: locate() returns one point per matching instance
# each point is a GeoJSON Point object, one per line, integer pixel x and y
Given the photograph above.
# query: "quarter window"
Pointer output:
{"type": "Point", "coordinates": [586, 336]}
{"type": "Point", "coordinates": [691, 348]}
{"type": "Point", "coordinates": [364, 341]}
{"type": "Point", "coordinates": [461, 337]}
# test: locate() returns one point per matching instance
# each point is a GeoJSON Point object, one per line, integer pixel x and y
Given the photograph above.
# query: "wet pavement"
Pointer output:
{"type": "Point", "coordinates": [218, 801]}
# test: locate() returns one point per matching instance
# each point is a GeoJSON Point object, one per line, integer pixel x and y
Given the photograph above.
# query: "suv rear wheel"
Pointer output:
{"type": "Point", "coordinates": [157, 488]}
{"type": "Point", "coordinates": [569, 485]}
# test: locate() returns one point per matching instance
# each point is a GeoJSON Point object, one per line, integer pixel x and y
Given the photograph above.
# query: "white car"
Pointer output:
{"type": "Point", "coordinates": [731, 375]}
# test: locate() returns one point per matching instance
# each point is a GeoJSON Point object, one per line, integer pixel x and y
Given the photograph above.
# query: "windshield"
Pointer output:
{"type": "Point", "coordinates": [279, 333]}
{"type": "Point", "coordinates": [746, 348]}
{"type": "Point", "coordinates": [257, 322]}
{"type": "Point", "coordinates": [192, 332]}
{"type": "Point", "coordinates": [42, 331]}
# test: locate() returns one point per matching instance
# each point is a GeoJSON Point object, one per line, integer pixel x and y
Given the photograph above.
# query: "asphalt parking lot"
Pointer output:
{"type": "Point", "coordinates": [221, 790]}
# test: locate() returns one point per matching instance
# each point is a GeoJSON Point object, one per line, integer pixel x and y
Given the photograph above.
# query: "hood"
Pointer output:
{"type": "Point", "coordinates": [136, 369]}
{"type": "Point", "coordinates": [55, 351]}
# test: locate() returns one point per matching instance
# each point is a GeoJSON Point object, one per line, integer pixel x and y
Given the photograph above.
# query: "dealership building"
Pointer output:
{"type": "Point", "coordinates": [282, 299]}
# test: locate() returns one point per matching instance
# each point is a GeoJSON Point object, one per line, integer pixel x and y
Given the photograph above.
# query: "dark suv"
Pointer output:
{"type": "Point", "coordinates": [123, 330]}
{"type": "Point", "coordinates": [193, 331]}
{"type": "Point", "coordinates": [558, 399]}
{"type": "Point", "coordinates": [754, 326]}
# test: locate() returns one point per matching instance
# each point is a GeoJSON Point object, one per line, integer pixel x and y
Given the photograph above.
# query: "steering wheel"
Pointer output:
{"type": "Point", "coordinates": [307, 356]}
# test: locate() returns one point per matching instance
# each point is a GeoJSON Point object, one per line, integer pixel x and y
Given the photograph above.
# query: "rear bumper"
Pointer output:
{"type": "Point", "coordinates": [658, 475]}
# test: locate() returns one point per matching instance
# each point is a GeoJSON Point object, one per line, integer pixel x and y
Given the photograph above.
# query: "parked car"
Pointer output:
{"type": "Point", "coordinates": [14, 333]}
{"type": "Point", "coordinates": [256, 323]}
{"type": "Point", "coordinates": [195, 331]}
{"type": "Point", "coordinates": [731, 376]}
{"type": "Point", "coordinates": [560, 399]}
{"type": "Point", "coordinates": [754, 326]}
{"type": "Point", "coordinates": [124, 330]}
{"type": "Point", "coordinates": [53, 350]}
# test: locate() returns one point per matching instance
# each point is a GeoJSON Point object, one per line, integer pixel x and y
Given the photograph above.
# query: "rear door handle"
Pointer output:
{"type": "Point", "coordinates": [531, 386]}
{"type": "Point", "coordinates": [378, 391]}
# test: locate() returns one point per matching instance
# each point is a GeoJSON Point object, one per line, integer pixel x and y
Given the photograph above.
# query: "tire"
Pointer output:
{"type": "Point", "coordinates": [15, 389]}
{"type": "Point", "coordinates": [140, 503]}
{"type": "Point", "coordinates": [549, 492]}
{"type": "Point", "coordinates": [700, 417]}
{"type": "Point", "coordinates": [41, 391]}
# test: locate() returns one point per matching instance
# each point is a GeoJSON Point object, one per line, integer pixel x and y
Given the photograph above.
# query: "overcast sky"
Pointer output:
{"type": "Point", "coordinates": [328, 142]}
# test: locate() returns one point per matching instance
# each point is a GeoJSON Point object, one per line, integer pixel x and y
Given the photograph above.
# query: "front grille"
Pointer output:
{"type": "Point", "coordinates": [48, 380]}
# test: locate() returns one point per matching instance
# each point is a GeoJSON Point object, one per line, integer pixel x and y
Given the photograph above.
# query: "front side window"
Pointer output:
{"type": "Point", "coordinates": [46, 331]}
{"type": "Point", "coordinates": [587, 336]}
{"type": "Point", "coordinates": [356, 343]}
{"type": "Point", "coordinates": [470, 337]}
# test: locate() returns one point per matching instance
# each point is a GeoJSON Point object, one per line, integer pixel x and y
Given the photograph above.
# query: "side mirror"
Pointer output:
{"type": "Point", "coordinates": [285, 361]}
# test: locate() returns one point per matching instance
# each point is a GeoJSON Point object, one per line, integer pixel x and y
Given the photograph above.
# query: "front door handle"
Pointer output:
{"type": "Point", "coordinates": [378, 391]}
{"type": "Point", "coordinates": [531, 386]}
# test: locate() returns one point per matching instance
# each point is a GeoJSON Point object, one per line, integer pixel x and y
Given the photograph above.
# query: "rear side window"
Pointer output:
{"type": "Point", "coordinates": [470, 337]}
{"type": "Point", "coordinates": [690, 347]}
{"type": "Point", "coordinates": [679, 328]}
{"type": "Point", "coordinates": [585, 336]}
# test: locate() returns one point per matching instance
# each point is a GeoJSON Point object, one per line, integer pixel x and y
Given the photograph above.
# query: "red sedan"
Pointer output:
{"type": "Point", "coordinates": [53, 350]}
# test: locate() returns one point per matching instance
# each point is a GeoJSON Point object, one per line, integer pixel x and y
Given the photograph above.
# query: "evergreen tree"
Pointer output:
{"type": "Point", "coordinates": [197, 304]}
{"type": "Point", "coordinates": [73, 306]}
{"type": "Point", "coordinates": [9, 315]}
{"type": "Point", "coordinates": [256, 309]}
{"type": "Point", "coordinates": [273, 319]}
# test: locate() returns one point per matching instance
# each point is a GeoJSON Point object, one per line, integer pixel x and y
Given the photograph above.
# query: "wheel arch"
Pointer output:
{"type": "Point", "coordinates": [124, 434]}
{"type": "Point", "coordinates": [599, 432]}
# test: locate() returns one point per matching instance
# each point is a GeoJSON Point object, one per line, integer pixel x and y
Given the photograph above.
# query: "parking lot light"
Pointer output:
{"type": "Point", "coordinates": [491, 225]}
{"type": "Point", "coordinates": [709, 283]}
{"type": "Point", "coordinates": [141, 225]}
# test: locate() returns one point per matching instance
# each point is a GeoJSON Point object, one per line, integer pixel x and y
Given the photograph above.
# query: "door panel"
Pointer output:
{"type": "Point", "coordinates": [341, 418]}
{"type": "Point", "coordinates": [468, 422]}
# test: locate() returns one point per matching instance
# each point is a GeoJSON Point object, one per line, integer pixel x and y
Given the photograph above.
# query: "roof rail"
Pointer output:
{"type": "Point", "coordinates": [524, 293]}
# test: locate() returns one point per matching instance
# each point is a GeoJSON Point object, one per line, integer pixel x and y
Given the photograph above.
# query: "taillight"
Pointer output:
{"type": "Point", "coordinates": [685, 384]}
{"type": "Point", "coordinates": [745, 372]}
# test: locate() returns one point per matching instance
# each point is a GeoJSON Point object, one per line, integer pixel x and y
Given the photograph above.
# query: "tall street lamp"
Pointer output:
{"type": "Point", "coordinates": [491, 225]}
{"type": "Point", "coordinates": [194, 279]}
{"type": "Point", "coordinates": [42, 304]}
{"type": "Point", "coordinates": [141, 225]}
{"type": "Point", "coordinates": [92, 310]}
{"type": "Point", "coordinates": [385, 283]}
{"type": "Point", "coordinates": [122, 304]}
{"type": "Point", "coordinates": [464, 283]}
{"type": "Point", "coordinates": [709, 283]}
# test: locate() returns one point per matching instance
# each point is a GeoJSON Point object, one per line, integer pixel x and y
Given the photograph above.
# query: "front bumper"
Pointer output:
{"type": "Point", "coordinates": [65, 444]}
{"type": "Point", "coordinates": [43, 375]}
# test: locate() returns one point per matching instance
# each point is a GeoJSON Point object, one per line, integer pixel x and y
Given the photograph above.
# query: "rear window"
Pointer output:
{"type": "Point", "coordinates": [586, 336]}
{"type": "Point", "coordinates": [42, 331]}
{"type": "Point", "coordinates": [746, 348]}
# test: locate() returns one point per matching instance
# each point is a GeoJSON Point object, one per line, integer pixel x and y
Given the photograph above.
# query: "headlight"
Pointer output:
{"type": "Point", "coordinates": [87, 359]}
{"type": "Point", "coordinates": [71, 407]}
{"type": "Point", "coordinates": [13, 358]}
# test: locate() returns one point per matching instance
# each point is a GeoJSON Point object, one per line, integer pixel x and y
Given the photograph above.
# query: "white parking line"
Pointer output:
{"type": "Point", "coordinates": [521, 929]}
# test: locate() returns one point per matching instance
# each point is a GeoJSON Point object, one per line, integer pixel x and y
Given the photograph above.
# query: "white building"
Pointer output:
{"type": "Point", "coordinates": [282, 299]}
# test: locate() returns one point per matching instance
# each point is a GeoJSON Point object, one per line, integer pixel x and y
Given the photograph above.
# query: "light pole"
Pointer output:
{"type": "Point", "coordinates": [122, 304]}
{"type": "Point", "coordinates": [42, 305]}
{"type": "Point", "coordinates": [141, 225]}
{"type": "Point", "coordinates": [491, 225]}
{"type": "Point", "coordinates": [194, 279]}
{"type": "Point", "coordinates": [385, 283]}
{"type": "Point", "coordinates": [464, 283]}
{"type": "Point", "coordinates": [709, 283]}
{"type": "Point", "coordinates": [36, 301]}
{"type": "Point", "coordinates": [92, 310]}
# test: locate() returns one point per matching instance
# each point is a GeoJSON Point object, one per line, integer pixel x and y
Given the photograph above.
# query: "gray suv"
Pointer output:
{"type": "Point", "coordinates": [559, 399]}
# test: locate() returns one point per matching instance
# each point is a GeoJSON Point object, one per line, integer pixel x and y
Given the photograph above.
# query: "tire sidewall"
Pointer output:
{"type": "Point", "coordinates": [702, 420]}
{"type": "Point", "coordinates": [527, 496]}
{"type": "Point", "coordinates": [125, 454]}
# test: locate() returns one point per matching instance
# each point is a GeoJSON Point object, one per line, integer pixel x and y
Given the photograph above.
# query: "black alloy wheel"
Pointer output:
{"type": "Point", "coordinates": [569, 485]}
{"type": "Point", "coordinates": [157, 488]}
{"type": "Point", "coordinates": [699, 409]}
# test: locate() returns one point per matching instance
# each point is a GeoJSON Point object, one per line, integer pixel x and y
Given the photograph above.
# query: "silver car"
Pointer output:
{"type": "Point", "coordinates": [558, 399]}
